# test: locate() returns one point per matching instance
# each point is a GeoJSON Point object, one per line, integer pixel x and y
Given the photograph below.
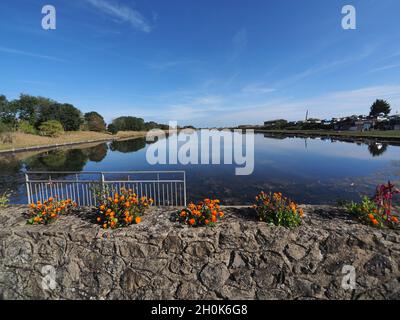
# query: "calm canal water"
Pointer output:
{"type": "Point", "coordinates": [313, 171]}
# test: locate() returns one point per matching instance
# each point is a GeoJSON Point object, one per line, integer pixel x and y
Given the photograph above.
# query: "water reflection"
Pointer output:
{"type": "Point", "coordinates": [127, 146]}
{"type": "Point", "coordinates": [319, 170]}
{"type": "Point", "coordinates": [10, 172]}
{"type": "Point", "coordinates": [377, 149]}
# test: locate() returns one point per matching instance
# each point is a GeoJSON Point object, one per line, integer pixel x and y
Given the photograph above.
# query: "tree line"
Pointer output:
{"type": "Point", "coordinates": [44, 116]}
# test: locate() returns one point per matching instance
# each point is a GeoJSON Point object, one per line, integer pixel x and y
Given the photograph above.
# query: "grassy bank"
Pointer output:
{"type": "Point", "coordinates": [392, 135]}
{"type": "Point", "coordinates": [22, 140]}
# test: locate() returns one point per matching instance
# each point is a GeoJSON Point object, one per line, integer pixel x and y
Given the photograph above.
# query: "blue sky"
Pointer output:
{"type": "Point", "coordinates": [209, 62]}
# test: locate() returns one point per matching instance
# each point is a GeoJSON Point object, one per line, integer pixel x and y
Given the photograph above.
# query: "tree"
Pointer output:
{"type": "Point", "coordinates": [8, 112]}
{"type": "Point", "coordinates": [51, 128]}
{"type": "Point", "coordinates": [380, 107]}
{"type": "Point", "coordinates": [129, 124]}
{"type": "Point", "coordinates": [69, 116]}
{"type": "Point", "coordinates": [112, 129]}
{"type": "Point", "coordinates": [95, 122]}
{"type": "Point", "coordinates": [29, 107]}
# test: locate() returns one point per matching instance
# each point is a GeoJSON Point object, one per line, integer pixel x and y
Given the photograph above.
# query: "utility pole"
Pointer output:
{"type": "Point", "coordinates": [307, 115]}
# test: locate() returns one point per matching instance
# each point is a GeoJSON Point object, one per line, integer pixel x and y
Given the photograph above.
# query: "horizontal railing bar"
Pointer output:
{"type": "Point", "coordinates": [100, 172]}
{"type": "Point", "coordinates": [143, 181]}
{"type": "Point", "coordinates": [105, 181]}
{"type": "Point", "coordinates": [64, 181]}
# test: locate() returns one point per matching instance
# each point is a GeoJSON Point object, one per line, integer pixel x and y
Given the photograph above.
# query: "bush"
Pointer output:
{"type": "Point", "coordinates": [120, 210]}
{"type": "Point", "coordinates": [26, 127]}
{"type": "Point", "coordinates": [206, 213]}
{"type": "Point", "coordinates": [377, 212]}
{"type": "Point", "coordinates": [51, 128]}
{"type": "Point", "coordinates": [69, 116]}
{"type": "Point", "coordinates": [49, 210]}
{"type": "Point", "coordinates": [112, 129]}
{"type": "Point", "coordinates": [278, 210]}
{"type": "Point", "coordinates": [95, 122]}
{"type": "Point", "coordinates": [4, 199]}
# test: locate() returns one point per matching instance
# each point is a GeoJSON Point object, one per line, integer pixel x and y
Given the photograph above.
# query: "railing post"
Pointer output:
{"type": "Point", "coordinates": [102, 187]}
{"type": "Point", "coordinates": [184, 187]}
{"type": "Point", "coordinates": [158, 189]}
{"type": "Point", "coordinates": [28, 191]}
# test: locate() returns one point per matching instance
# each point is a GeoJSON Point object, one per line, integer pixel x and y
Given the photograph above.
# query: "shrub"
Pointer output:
{"type": "Point", "coordinates": [26, 127]}
{"type": "Point", "coordinates": [69, 116]}
{"type": "Point", "coordinates": [278, 210]}
{"type": "Point", "coordinates": [49, 210]}
{"type": "Point", "coordinates": [95, 122]}
{"type": "Point", "coordinates": [121, 210]}
{"type": "Point", "coordinates": [112, 129]}
{"type": "Point", "coordinates": [206, 213]}
{"type": "Point", "coordinates": [378, 211]}
{"type": "Point", "coordinates": [51, 128]}
{"type": "Point", "coordinates": [4, 199]}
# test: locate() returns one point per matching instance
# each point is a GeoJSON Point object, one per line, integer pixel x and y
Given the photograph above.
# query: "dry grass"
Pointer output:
{"type": "Point", "coordinates": [22, 140]}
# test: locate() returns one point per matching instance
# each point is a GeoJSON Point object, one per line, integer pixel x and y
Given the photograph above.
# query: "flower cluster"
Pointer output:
{"type": "Point", "coordinates": [278, 210]}
{"type": "Point", "coordinates": [49, 210]}
{"type": "Point", "coordinates": [122, 210]}
{"type": "Point", "coordinates": [205, 213]}
{"type": "Point", "coordinates": [379, 211]}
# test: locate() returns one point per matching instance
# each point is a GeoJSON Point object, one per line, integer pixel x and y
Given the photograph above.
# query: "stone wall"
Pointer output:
{"type": "Point", "coordinates": [158, 259]}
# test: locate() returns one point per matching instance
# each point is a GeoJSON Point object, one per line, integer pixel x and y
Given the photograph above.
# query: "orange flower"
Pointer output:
{"type": "Point", "coordinates": [127, 204]}
{"type": "Point", "coordinates": [221, 214]}
{"type": "Point", "coordinates": [102, 207]}
{"type": "Point", "coordinates": [206, 221]}
{"type": "Point", "coordinates": [192, 222]}
{"type": "Point", "coordinates": [395, 219]}
{"type": "Point", "coordinates": [98, 219]}
{"type": "Point", "coordinates": [214, 219]}
{"type": "Point", "coordinates": [375, 222]}
{"type": "Point", "coordinates": [138, 220]}
{"type": "Point", "coordinates": [371, 216]}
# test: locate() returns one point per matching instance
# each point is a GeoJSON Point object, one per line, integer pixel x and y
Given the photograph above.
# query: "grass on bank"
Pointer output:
{"type": "Point", "coordinates": [23, 140]}
{"type": "Point", "coordinates": [390, 134]}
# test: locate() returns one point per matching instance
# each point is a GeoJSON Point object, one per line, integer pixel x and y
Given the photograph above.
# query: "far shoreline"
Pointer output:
{"type": "Point", "coordinates": [379, 136]}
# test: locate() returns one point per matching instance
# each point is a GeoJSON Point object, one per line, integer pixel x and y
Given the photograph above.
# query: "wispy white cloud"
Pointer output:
{"type": "Point", "coordinates": [161, 66]}
{"type": "Point", "coordinates": [258, 88]}
{"type": "Point", "coordinates": [239, 44]}
{"type": "Point", "coordinates": [236, 109]}
{"type": "Point", "coordinates": [122, 13]}
{"type": "Point", "coordinates": [334, 104]}
{"type": "Point", "coordinates": [29, 54]}
{"type": "Point", "coordinates": [387, 67]}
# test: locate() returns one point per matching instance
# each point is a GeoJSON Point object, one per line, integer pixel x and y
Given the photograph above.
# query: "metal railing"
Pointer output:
{"type": "Point", "coordinates": [166, 188]}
